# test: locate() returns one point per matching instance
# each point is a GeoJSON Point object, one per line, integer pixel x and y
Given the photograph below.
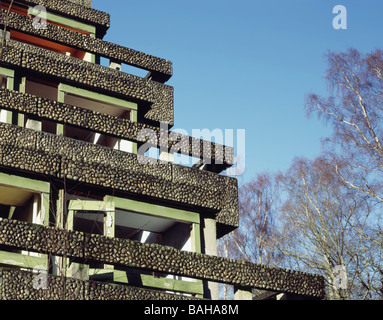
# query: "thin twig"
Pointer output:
{"type": "Point", "coordinates": [5, 30]}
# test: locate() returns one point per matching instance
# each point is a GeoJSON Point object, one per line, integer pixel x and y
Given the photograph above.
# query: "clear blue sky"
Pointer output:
{"type": "Point", "coordinates": [247, 64]}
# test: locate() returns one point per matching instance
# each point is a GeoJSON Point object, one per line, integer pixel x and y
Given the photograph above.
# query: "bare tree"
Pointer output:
{"type": "Point", "coordinates": [355, 110]}
{"type": "Point", "coordinates": [324, 227]}
{"type": "Point", "coordinates": [252, 241]}
{"type": "Point", "coordinates": [258, 201]}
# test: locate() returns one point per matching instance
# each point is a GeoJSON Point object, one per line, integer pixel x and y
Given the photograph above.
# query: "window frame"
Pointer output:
{"type": "Point", "coordinates": [25, 259]}
{"type": "Point", "coordinates": [109, 206]}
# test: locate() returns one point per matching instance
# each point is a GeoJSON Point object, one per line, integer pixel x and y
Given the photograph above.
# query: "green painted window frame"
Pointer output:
{"type": "Point", "coordinates": [39, 262]}
{"type": "Point", "coordinates": [179, 215]}
{"type": "Point", "coordinates": [69, 23]}
{"type": "Point", "coordinates": [68, 89]}
{"type": "Point", "coordinates": [164, 212]}
{"type": "Point", "coordinates": [65, 21]}
{"type": "Point", "coordinates": [108, 206]}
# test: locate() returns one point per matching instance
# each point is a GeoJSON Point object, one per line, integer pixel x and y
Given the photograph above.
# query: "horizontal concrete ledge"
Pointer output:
{"type": "Point", "coordinates": [73, 10]}
{"type": "Point", "coordinates": [86, 3]}
{"type": "Point", "coordinates": [43, 153]}
{"type": "Point", "coordinates": [161, 69]}
{"type": "Point", "coordinates": [156, 96]}
{"type": "Point", "coordinates": [114, 126]}
{"type": "Point", "coordinates": [24, 285]}
{"type": "Point", "coordinates": [154, 257]}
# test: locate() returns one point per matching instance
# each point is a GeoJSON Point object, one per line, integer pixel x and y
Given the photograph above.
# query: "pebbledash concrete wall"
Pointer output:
{"type": "Point", "coordinates": [158, 96]}
{"type": "Point", "coordinates": [73, 9]}
{"type": "Point", "coordinates": [48, 154]}
{"type": "Point", "coordinates": [86, 3]}
{"type": "Point", "coordinates": [154, 257]}
{"type": "Point", "coordinates": [56, 158]}
{"type": "Point", "coordinates": [161, 68]}
{"type": "Point", "coordinates": [118, 127]}
{"type": "Point", "coordinates": [23, 285]}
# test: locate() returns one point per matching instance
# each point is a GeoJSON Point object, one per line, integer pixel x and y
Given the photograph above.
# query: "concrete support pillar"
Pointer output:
{"type": "Point", "coordinates": [33, 124]}
{"type": "Point", "coordinates": [210, 248]}
{"type": "Point", "coordinates": [115, 65]}
{"type": "Point", "coordinates": [241, 293]}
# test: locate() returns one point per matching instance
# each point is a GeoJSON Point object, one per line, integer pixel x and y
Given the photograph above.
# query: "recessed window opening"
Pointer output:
{"type": "Point", "coordinates": [89, 222]}
{"type": "Point", "coordinates": [19, 204]}
{"type": "Point", "coordinates": [3, 82]}
{"type": "Point", "coordinates": [93, 137]}
{"type": "Point", "coordinates": [16, 7]}
{"type": "Point", "coordinates": [152, 229]}
{"type": "Point", "coordinates": [41, 88]}
{"type": "Point", "coordinates": [79, 134]}
{"type": "Point", "coordinates": [98, 106]}
{"type": "Point", "coordinates": [82, 195]}
{"type": "Point", "coordinates": [48, 45]}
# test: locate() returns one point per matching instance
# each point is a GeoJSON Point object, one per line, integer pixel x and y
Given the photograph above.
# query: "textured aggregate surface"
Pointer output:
{"type": "Point", "coordinates": [57, 156]}
{"type": "Point", "coordinates": [73, 10]}
{"type": "Point", "coordinates": [69, 69]}
{"type": "Point", "coordinates": [94, 45]}
{"type": "Point", "coordinates": [23, 285]}
{"type": "Point", "coordinates": [110, 125]}
{"type": "Point", "coordinates": [157, 258]}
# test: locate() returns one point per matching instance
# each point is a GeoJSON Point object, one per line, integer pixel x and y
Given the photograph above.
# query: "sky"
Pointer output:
{"type": "Point", "coordinates": [247, 64]}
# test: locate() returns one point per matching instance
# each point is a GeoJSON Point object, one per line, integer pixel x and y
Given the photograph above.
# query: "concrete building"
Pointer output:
{"type": "Point", "coordinates": [81, 215]}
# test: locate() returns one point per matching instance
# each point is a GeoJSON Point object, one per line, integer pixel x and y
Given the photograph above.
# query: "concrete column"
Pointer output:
{"type": "Point", "coordinates": [241, 293]}
{"type": "Point", "coordinates": [115, 65]}
{"type": "Point", "coordinates": [210, 248]}
{"type": "Point", "coordinates": [33, 124]}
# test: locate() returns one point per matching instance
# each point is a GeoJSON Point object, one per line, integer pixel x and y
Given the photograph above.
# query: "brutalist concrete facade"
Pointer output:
{"type": "Point", "coordinates": [78, 205]}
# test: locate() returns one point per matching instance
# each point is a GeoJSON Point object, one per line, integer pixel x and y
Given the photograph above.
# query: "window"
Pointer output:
{"type": "Point", "coordinates": [24, 200]}
{"type": "Point", "coordinates": [140, 221]}
{"type": "Point", "coordinates": [3, 82]}
{"type": "Point", "coordinates": [43, 89]}
{"type": "Point", "coordinates": [19, 204]}
{"type": "Point", "coordinates": [100, 103]}
{"type": "Point", "coordinates": [53, 19]}
{"type": "Point", "coordinates": [49, 45]}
